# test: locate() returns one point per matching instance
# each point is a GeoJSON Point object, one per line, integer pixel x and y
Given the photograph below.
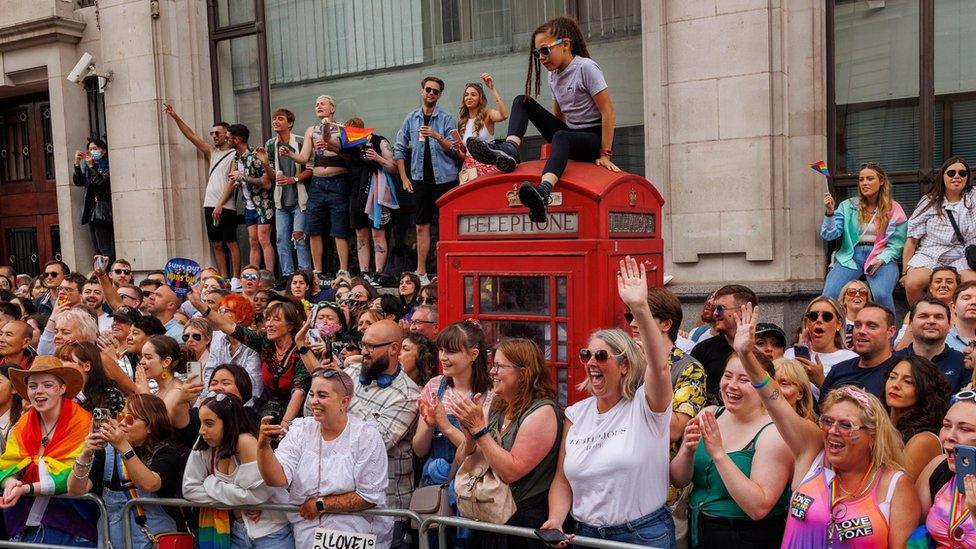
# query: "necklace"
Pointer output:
{"type": "Point", "coordinates": [47, 432]}
{"type": "Point", "coordinates": [838, 510]}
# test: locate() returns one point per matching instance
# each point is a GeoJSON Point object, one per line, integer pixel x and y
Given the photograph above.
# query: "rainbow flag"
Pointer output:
{"type": "Point", "coordinates": [67, 441]}
{"type": "Point", "coordinates": [821, 168]}
{"type": "Point", "coordinates": [214, 530]}
{"type": "Point", "coordinates": [351, 136]}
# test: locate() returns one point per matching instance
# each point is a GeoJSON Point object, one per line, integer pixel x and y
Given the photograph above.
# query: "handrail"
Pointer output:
{"type": "Point", "coordinates": [174, 502]}
{"type": "Point", "coordinates": [103, 531]}
{"type": "Point", "coordinates": [436, 521]}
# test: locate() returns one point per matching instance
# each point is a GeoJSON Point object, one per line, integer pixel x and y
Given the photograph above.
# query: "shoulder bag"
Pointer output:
{"type": "Point", "coordinates": [970, 248]}
{"type": "Point", "coordinates": [481, 495]}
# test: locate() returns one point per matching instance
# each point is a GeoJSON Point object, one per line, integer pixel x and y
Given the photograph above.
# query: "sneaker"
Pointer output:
{"type": "Point", "coordinates": [533, 200]}
{"type": "Point", "coordinates": [235, 285]}
{"type": "Point", "coordinates": [424, 279]}
{"type": "Point", "coordinates": [371, 278]}
{"type": "Point", "coordinates": [503, 155]}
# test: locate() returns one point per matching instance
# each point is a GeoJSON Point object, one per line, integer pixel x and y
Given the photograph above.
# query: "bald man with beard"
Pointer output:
{"type": "Point", "coordinates": [15, 340]}
{"type": "Point", "coordinates": [165, 306]}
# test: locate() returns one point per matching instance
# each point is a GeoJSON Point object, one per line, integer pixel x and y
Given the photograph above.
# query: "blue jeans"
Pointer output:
{"type": "Point", "coordinates": [653, 530]}
{"type": "Point", "coordinates": [882, 282]}
{"type": "Point", "coordinates": [157, 520]}
{"type": "Point", "coordinates": [281, 539]}
{"type": "Point", "coordinates": [51, 536]}
{"type": "Point", "coordinates": [288, 220]}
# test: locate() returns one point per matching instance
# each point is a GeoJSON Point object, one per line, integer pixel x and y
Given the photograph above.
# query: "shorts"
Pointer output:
{"type": "Point", "coordinates": [328, 196]}
{"type": "Point", "coordinates": [251, 218]}
{"type": "Point", "coordinates": [952, 258]}
{"type": "Point", "coordinates": [226, 229]}
{"type": "Point", "coordinates": [427, 196]}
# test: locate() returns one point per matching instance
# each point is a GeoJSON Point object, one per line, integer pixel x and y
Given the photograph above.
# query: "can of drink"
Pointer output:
{"type": "Point", "coordinates": [420, 137]}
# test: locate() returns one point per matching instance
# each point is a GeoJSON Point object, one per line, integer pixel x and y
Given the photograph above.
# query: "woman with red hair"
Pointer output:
{"type": "Point", "coordinates": [227, 350]}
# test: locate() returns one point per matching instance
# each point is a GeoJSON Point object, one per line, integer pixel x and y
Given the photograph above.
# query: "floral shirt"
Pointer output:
{"type": "Point", "coordinates": [689, 397]}
{"type": "Point", "coordinates": [255, 198]}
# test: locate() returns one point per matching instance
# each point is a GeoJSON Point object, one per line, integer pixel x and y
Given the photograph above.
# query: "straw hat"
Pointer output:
{"type": "Point", "coordinates": [44, 364]}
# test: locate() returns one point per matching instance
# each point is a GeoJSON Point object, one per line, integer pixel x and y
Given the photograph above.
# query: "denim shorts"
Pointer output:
{"type": "Point", "coordinates": [653, 530]}
{"type": "Point", "coordinates": [328, 196]}
{"type": "Point", "coordinates": [251, 218]}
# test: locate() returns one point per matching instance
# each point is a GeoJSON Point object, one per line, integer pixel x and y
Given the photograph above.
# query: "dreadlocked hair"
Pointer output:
{"type": "Point", "coordinates": [563, 26]}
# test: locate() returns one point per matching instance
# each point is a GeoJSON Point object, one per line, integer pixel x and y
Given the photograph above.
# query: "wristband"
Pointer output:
{"type": "Point", "coordinates": [30, 489]}
{"type": "Point", "coordinates": [606, 152]}
{"type": "Point", "coordinates": [481, 433]}
{"type": "Point", "coordinates": [320, 505]}
{"type": "Point", "coordinates": [765, 381]}
{"type": "Point", "coordinates": [129, 455]}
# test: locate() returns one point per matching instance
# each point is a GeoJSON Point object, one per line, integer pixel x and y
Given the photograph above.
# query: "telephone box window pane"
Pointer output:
{"type": "Point", "coordinates": [495, 330]}
{"type": "Point", "coordinates": [561, 342]}
{"type": "Point", "coordinates": [469, 294]}
{"type": "Point", "coordinates": [527, 295]}
{"type": "Point", "coordinates": [562, 386]}
{"type": "Point", "coordinates": [560, 296]}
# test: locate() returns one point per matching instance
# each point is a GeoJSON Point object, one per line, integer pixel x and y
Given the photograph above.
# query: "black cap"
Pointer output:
{"type": "Point", "coordinates": [126, 314]}
{"type": "Point", "coordinates": [149, 325]}
{"type": "Point", "coordinates": [770, 328]}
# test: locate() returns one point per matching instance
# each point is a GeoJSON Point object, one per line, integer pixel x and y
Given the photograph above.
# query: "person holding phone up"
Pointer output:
{"type": "Point", "coordinates": [872, 228]}
{"type": "Point", "coordinates": [93, 176]}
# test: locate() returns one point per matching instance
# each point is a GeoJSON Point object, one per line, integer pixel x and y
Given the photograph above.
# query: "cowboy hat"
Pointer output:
{"type": "Point", "coordinates": [70, 376]}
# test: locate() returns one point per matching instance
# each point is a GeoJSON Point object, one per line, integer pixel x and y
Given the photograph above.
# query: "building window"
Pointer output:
{"type": "Point", "coordinates": [94, 88]}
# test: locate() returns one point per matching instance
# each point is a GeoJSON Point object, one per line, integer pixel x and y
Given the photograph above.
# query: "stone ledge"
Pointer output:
{"type": "Point", "coordinates": [41, 31]}
{"type": "Point", "coordinates": [767, 290]}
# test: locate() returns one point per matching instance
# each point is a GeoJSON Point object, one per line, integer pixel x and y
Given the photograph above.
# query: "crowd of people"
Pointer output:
{"type": "Point", "coordinates": [853, 430]}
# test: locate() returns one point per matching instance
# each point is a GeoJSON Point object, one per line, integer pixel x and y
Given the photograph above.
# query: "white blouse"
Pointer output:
{"type": "Point", "coordinates": [354, 462]}
{"type": "Point", "coordinates": [483, 133]}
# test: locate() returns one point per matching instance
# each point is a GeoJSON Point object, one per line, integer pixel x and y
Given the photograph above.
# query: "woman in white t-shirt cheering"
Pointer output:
{"type": "Point", "coordinates": [581, 124]}
{"type": "Point", "coordinates": [613, 464]}
{"type": "Point", "coordinates": [823, 333]}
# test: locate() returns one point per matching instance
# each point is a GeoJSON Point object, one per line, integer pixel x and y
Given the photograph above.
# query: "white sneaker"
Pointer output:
{"type": "Point", "coordinates": [235, 285]}
{"type": "Point", "coordinates": [424, 279]}
{"type": "Point", "coordinates": [342, 273]}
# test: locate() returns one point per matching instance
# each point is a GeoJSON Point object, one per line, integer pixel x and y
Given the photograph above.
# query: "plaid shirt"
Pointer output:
{"type": "Point", "coordinates": [394, 412]}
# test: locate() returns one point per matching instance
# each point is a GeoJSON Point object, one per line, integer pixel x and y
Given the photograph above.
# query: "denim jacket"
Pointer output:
{"type": "Point", "coordinates": [445, 164]}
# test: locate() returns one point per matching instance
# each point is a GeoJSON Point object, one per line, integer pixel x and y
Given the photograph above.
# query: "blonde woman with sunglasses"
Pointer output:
{"type": "Point", "coordinates": [823, 334]}
{"type": "Point", "coordinates": [849, 486]}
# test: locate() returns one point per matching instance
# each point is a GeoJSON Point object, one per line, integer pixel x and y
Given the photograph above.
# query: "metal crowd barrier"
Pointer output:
{"type": "Point", "coordinates": [102, 519]}
{"type": "Point", "coordinates": [173, 502]}
{"type": "Point", "coordinates": [436, 521]}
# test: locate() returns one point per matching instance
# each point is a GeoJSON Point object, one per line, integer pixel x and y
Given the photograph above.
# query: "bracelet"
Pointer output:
{"type": "Point", "coordinates": [481, 433]}
{"type": "Point", "coordinates": [765, 381]}
{"type": "Point", "coordinates": [79, 477]}
{"type": "Point", "coordinates": [30, 489]}
{"type": "Point", "coordinates": [606, 152]}
{"type": "Point", "coordinates": [83, 465]}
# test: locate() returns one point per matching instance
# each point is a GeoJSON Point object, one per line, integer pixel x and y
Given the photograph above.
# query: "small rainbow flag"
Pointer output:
{"type": "Point", "coordinates": [351, 136]}
{"type": "Point", "coordinates": [821, 168]}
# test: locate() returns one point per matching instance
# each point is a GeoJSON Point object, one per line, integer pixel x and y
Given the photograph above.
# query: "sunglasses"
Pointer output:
{"type": "Point", "coordinates": [432, 91]}
{"type": "Point", "coordinates": [329, 373]}
{"type": "Point", "coordinates": [812, 316]}
{"type": "Point", "coordinates": [127, 418]}
{"type": "Point", "coordinates": [194, 337]}
{"type": "Point", "coordinates": [224, 310]}
{"type": "Point", "coordinates": [846, 428]}
{"type": "Point", "coordinates": [126, 272]}
{"type": "Point", "coordinates": [127, 296]}
{"type": "Point", "coordinates": [963, 395]}
{"type": "Point", "coordinates": [214, 395]}
{"type": "Point", "coordinates": [601, 356]}
{"type": "Point", "coordinates": [51, 274]}
{"type": "Point", "coordinates": [854, 292]}
{"type": "Point", "coordinates": [249, 276]}
{"type": "Point", "coordinates": [427, 301]}
{"type": "Point", "coordinates": [546, 50]}
{"type": "Point", "coordinates": [962, 173]}
{"type": "Point", "coordinates": [146, 293]}
{"type": "Point", "coordinates": [718, 310]}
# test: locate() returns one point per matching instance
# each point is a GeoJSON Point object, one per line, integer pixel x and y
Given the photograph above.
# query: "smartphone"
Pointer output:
{"type": "Point", "coordinates": [99, 417]}
{"type": "Point", "coordinates": [550, 535]}
{"type": "Point", "coordinates": [801, 351]}
{"type": "Point", "coordinates": [62, 299]}
{"type": "Point", "coordinates": [965, 465]}
{"type": "Point", "coordinates": [194, 367]}
{"type": "Point", "coordinates": [101, 262]}
{"type": "Point", "coordinates": [456, 136]}
{"type": "Point", "coordinates": [314, 337]}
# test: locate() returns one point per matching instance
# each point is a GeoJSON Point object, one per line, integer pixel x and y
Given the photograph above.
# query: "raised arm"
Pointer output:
{"type": "Point", "coordinates": [268, 465]}
{"type": "Point", "coordinates": [803, 437]}
{"type": "Point", "coordinates": [198, 142]}
{"type": "Point", "coordinates": [216, 320]}
{"type": "Point", "coordinates": [632, 288]}
{"type": "Point", "coordinates": [500, 113]}
{"type": "Point", "coordinates": [303, 156]}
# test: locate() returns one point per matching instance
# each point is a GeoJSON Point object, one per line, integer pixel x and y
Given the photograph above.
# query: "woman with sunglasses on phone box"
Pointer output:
{"type": "Point", "coordinates": [932, 240]}
{"type": "Point", "coordinates": [132, 456]}
{"type": "Point", "coordinates": [823, 335]}
{"type": "Point", "coordinates": [223, 469]}
{"type": "Point", "coordinates": [477, 121]}
{"type": "Point", "coordinates": [917, 397]}
{"type": "Point", "coordinates": [38, 458]}
{"type": "Point", "coordinates": [612, 473]}
{"type": "Point", "coordinates": [849, 486]}
{"type": "Point", "coordinates": [872, 230]}
{"type": "Point", "coordinates": [581, 126]}
{"type": "Point", "coordinates": [330, 463]}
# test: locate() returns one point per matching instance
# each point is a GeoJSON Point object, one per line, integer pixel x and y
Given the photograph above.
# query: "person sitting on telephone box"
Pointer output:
{"type": "Point", "coordinates": [581, 128]}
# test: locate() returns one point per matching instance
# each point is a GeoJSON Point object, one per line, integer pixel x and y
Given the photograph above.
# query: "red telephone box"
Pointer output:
{"type": "Point", "coordinates": [552, 282]}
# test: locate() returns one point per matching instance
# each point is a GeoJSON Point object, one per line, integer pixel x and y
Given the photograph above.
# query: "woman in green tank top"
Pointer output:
{"type": "Point", "coordinates": [740, 468]}
{"type": "Point", "coordinates": [519, 437]}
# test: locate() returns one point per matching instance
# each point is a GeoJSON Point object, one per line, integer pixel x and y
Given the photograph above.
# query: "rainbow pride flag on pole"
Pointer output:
{"type": "Point", "coordinates": [351, 136]}
{"type": "Point", "coordinates": [821, 168]}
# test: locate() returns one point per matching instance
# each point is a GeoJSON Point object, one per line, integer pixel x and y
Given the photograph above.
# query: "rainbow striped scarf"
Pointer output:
{"type": "Point", "coordinates": [214, 523]}
{"type": "Point", "coordinates": [67, 441]}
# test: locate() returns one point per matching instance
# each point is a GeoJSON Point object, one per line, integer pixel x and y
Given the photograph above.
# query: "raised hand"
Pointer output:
{"type": "Point", "coordinates": [488, 80]}
{"type": "Point", "coordinates": [168, 109]}
{"type": "Point", "coordinates": [711, 434]}
{"type": "Point", "coordinates": [427, 412]}
{"type": "Point", "coordinates": [693, 434]}
{"type": "Point", "coordinates": [632, 282]}
{"type": "Point", "coordinates": [745, 331]}
{"type": "Point", "coordinates": [262, 154]}
{"type": "Point", "coordinates": [269, 432]}
{"type": "Point", "coordinates": [829, 204]}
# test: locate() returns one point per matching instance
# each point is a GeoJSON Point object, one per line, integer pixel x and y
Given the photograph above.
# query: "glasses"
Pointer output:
{"type": "Point", "coordinates": [432, 91]}
{"type": "Point", "coordinates": [846, 428]}
{"type": "Point", "coordinates": [370, 347]}
{"type": "Point", "coordinates": [126, 272]}
{"type": "Point", "coordinates": [500, 365]}
{"type": "Point", "coordinates": [329, 373]}
{"type": "Point", "coordinates": [601, 356]}
{"type": "Point", "coordinates": [546, 50]}
{"type": "Point", "coordinates": [147, 293]}
{"type": "Point", "coordinates": [224, 310]}
{"type": "Point", "coordinates": [127, 418]}
{"type": "Point", "coordinates": [963, 395]}
{"type": "Point", "coordinates": [51, 274]}
{"type": "Point", "coordinates": [127, 296]}
{"type": "Point", "coordinates": [427, 301]}
{"type": "Point", "coordinates": [962, 173]}
{"type": "Point", "coordinates": [827, 316]}
{"type": "Point", "coordinates": [718, 310]}
{"type": "Point", "coordinates": [854, 292]}
{"type": "Point", "coordinates": [194, 337]}
{"type": "Point", "coordinates": [249, 276]}
{"type": "Point", "coordinates": [418, 321]}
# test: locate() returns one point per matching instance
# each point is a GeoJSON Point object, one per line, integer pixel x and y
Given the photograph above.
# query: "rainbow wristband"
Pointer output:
{"type": "Point", "coordinates": [762, 383]}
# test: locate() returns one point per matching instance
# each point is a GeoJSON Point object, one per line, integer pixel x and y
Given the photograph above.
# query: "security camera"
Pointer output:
{"type": "Point", "coordinates": [83, 68]}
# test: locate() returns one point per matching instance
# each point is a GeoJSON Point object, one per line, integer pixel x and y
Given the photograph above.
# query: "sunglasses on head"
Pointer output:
{"type": "Point", "coordinates": [963, 395]}
{"type": "Point", "coordinates": [546, 50]}
{"type": "Point", "coordinates": [126, 272]}
{"type": "Point", "coordinates": [432, 91]}
{"type": "Point", "coordinates": [194, 337]}
{"type": "Point", "coordinates": [329, 373]}
{"type": "Point", "coordinates": [51, 274]}
{"type": "Point", "coordinates": [219, 397]}
{"type": "Point", "coordinates": [962, 173]}
{"type": "Point", "coordinates": [601, 356]}
{"type": "Point", "coordinates": [812, 316]}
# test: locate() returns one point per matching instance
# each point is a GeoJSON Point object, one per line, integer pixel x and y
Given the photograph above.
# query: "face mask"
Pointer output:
{"type": "Point", "coordinates": [96, 155]}
{"type": "Point", "coordinates": [329, 328]}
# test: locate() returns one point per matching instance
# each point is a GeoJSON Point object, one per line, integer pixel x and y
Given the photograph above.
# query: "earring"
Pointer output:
{"type": "Point", "coordinates": [165, 376]}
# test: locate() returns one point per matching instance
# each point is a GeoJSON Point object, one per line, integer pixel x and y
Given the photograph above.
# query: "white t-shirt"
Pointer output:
{"type": "Point", "coordinates": [827, 359]}
{"type": "Point", "coordinates": [617, 462]}
{"type": "Point", "coordinates": [218, 178]}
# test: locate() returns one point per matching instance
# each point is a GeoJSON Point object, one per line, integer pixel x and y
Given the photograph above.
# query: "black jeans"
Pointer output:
{"type": "Point", "coordinates": [742, 534]}
{"type": "Point", "coordinates": [103, 238]}
{"type": "Point", "coordinates": [582, 144]}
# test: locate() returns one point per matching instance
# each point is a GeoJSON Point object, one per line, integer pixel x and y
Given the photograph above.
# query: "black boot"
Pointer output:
{"type": "Point", "coordinates": [535, 200]}
{"type": "Point", "coordinates": [502, 154]}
